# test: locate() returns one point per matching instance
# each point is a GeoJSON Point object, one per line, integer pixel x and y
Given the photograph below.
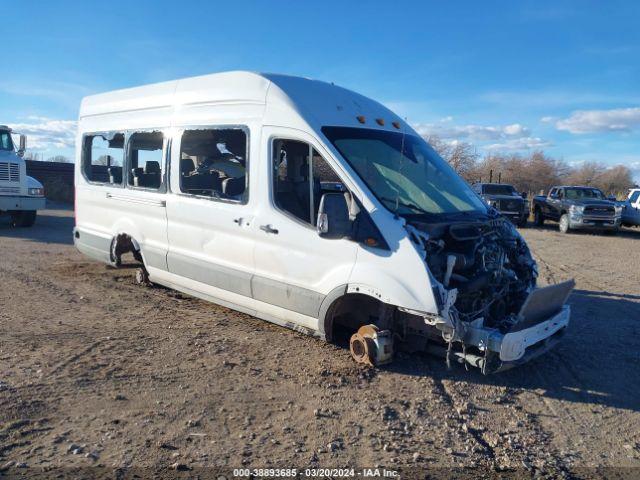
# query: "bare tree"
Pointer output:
{"type": "Point", "coordinates": [533, 173]}
{"type": "Point", "coordinates": [586, 174]}
{"type": "Point", "coordinates": [30, 155]}
{"type": "Point", "coordinates": [59, 159]}
{"type": "Point", "coordinates": [462, 156]}
{"type": "Point", "coordinates": [615, 180]}
{"type": "Point", "coordinates": [102, 160]}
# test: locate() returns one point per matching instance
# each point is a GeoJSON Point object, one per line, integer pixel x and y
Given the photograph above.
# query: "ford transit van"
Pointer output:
{"type": "Point", "coordinates": [313, 207]}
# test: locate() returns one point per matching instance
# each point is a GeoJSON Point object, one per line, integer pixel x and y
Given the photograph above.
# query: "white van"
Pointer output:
{"type": "Point", "coordinates": [312, 207]}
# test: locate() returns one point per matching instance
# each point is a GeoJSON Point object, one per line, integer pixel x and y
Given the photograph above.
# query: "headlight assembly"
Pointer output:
{"type": "Point", "coordinates": [576, 209]}
{"type": "Point", "coordinates": [36, 192]}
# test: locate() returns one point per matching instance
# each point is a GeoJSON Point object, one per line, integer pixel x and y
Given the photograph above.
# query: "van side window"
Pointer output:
{"type": "Point", "coordinates": [213, 163]}
{"type": "Point", "coordinates": [297, 188]}
{"type": "Point", "coordinates": [144, 160]}
{"type": "Point", "coordinates": [102, 157]}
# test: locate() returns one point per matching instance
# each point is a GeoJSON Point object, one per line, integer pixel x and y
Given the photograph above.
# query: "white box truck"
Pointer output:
{"type": "Point", "coordinates": [313, 207]}
{"type": "Point", "coordinates": [21, 196]}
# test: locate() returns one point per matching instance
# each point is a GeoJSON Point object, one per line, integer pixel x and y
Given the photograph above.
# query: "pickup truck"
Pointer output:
{"type": "Point", "coordinates": [20, 196]}
{"type": "Point", "coordinates": [506, 200]}
{"type": "Point", "coordinates": [631, 209]}
{"type": "Point", "coordinates": [575, 207]}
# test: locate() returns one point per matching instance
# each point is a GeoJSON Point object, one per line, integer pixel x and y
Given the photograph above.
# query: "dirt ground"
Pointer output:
{"type": "Point", "coordinates": [98, 372]}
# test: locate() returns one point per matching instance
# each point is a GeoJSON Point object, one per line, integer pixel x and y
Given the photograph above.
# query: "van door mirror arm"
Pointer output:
{"type": "Point", "coordinates": [341, 215]}
{"type": "Point", "coordinates": [333, 216]}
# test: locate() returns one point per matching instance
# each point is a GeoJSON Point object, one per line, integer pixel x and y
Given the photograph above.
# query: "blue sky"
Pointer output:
{"type": "Point", "coordinates": [506, 76]}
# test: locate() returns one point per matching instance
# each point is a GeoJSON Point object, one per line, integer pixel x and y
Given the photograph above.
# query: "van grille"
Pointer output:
{"type": "Point", "coordinates": [9, 172]}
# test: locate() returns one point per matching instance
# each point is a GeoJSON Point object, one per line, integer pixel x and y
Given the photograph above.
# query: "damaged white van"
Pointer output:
{"type": "Point", "coordinates": [312, 207]}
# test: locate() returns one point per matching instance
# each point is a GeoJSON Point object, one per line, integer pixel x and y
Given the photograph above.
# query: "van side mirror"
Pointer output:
{"type": "Point", "coordinates": [23, 145]}
{"type": "Point", "coordinates": [333, 216]}
{"type": "Point", "coordinates": [524, 195]}
{"type": "Point", "coordinates": [553, 195]}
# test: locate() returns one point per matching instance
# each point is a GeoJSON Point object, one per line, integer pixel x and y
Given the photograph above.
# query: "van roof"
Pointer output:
{"type": "Point", "coordinates": [323, 102]}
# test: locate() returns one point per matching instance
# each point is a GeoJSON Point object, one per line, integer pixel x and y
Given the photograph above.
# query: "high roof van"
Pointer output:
{"type": "Point", "coordinates": [313, 207]}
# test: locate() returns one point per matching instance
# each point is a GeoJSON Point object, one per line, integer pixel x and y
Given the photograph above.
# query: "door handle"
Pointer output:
{"type": "Point", "coordinates": [269, 229]}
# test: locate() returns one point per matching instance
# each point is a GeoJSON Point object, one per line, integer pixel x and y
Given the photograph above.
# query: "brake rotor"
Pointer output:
{"type": "Point", "coordinates": [371, 346]}
{"type": "Point", "coordinates": [362, 349]}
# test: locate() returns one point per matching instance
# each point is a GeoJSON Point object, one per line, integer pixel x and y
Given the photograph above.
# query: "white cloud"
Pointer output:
{"type": "Point", "coordinates": [472, 133]}
{"type": "Point", "coordinates": [512, 137]}
{"type": "Point", "coordinates": [45, 133]}
{"type": "Point", "coordinates": [522, 143]}
{"type": "Point", "coordinates": [598, 121]}
{"type": "Point", "coordinates": [515, 130]}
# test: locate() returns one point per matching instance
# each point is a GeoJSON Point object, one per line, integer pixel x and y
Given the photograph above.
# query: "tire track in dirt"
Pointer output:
{"type": "Point", "coordinates": [73, 358]}
{"type": "Point", "coordinates": [571, 419]}
{"type": "Point", "coordinates": [174, 366]}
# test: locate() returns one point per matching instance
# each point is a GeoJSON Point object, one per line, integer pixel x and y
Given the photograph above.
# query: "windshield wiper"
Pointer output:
{"type": "Point", "coordinates": [412, 206]}
{"type": "Point", "coordinates": [473, 214]}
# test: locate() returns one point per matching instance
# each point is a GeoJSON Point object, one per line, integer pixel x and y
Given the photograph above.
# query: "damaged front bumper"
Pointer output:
{"type": "Point", "coordinates": [540, 324]}
{"type": "Point", "coordinates": [504, 351]}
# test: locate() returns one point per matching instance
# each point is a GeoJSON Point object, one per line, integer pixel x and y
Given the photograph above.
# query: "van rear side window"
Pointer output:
{"type": "Point", "coordinates": [145, 160]}
{"type": "Point", "coordinates": [213, 163]}
{"type": "Point", "coordinates": [102, 157]}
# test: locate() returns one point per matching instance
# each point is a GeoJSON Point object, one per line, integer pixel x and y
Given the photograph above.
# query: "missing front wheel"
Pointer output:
{"type": "Point", "coordinates": [142, 277]}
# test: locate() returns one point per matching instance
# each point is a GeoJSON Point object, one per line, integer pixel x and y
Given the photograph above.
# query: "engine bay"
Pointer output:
{"type": "Point", "coordinates": [487, 262]}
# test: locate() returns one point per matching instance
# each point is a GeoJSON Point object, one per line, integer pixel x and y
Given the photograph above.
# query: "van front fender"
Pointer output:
{"type": "Point", "coordinates": [412, 292]}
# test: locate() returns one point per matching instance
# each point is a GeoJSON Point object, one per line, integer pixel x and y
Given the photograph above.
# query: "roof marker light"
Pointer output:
{"type": "Point", "coordinates": [371, 242]}
{"type": "Point", "coordinates": [361, 118]}
{"type": "Point", "coordinates": [380, 121]}
{"type": "Point", "coordinates": [396, 124]}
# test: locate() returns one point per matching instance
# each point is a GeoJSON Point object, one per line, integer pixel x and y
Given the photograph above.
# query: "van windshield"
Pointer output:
{"type": "Point", "coordinates": [5, 141]}
{"type": "Point", "coordinates": [404, 172]}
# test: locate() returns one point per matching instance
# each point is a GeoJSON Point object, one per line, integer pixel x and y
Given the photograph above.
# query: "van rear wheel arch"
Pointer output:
{"type": "Point", "coordinates": [124, 243]}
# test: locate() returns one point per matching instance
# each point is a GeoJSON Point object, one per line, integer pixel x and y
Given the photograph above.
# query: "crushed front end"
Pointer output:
{"type": "Point", "coordinates": [491, 315]}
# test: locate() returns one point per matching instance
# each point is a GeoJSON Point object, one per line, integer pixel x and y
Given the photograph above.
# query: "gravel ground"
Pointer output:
{"type": "Point", "coordinates": [97, 372]}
